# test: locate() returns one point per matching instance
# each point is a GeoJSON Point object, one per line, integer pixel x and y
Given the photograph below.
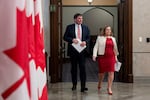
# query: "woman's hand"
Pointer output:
{"type": "Point", "coordinates": [116, 58]}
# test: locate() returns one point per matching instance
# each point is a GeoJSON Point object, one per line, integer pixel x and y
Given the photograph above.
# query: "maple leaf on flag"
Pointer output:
{"type": "Point", "coordinates": [19, 53]}
{"type": "Point", "coordinates": [23, 76]}
{"type": "Point", "coordinates": [40, 51]}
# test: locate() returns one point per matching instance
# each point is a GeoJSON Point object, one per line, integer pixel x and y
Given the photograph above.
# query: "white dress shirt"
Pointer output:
{"type": "Point", "coordinates": [76, 30]}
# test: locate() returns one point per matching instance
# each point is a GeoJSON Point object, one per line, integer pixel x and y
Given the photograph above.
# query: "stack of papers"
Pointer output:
{"type": "Point", "coordinates": [78, 47]}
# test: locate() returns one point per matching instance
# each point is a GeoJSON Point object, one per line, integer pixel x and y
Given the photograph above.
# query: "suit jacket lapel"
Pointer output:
{"type": "Point", "coordinates": [73, 29]}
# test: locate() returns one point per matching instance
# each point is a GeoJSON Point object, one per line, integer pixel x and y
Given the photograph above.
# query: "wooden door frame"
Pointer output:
{"type": "Point", "coordinates": [55, 59]}
{"type": "Point", "coordinates": [124, 42]}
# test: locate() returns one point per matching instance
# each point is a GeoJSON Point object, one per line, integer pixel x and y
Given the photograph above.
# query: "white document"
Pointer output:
{"type": "Point", "coordinates": [117, 66]}
{"type": "Point", "coordinates": [78, 47]}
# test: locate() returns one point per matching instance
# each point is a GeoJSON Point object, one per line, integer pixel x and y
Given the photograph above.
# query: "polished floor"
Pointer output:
{"type": "Point", "coordinates": [139, 90]}
{"type": "Point", "coordinates": [121, 91]}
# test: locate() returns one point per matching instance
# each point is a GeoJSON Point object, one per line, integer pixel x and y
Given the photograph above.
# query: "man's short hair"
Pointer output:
{"type": "Point", "coordinates": [76, 15]}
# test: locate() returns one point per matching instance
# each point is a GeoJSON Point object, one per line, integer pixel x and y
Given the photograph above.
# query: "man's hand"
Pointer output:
{"type": "Point", "coordinates": [94, 58]}
{"type": "Point", "coordinates": [75, 41]}
{"type": "Point", "coordinates": [83, 43]}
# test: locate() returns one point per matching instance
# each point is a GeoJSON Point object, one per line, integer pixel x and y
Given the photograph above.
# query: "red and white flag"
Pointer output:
{"type": "Point", "coordinates": [22, 58]}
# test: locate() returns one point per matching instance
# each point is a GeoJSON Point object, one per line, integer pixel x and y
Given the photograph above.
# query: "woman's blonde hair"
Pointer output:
{"type": "Point", "coordinates": [105, 30]}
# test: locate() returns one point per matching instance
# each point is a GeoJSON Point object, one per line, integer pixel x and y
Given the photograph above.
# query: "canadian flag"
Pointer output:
{"type": "Point", "coordinates": [22, 58]}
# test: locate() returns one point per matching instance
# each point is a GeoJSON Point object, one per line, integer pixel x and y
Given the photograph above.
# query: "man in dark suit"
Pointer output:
{"type": "Point", "coordinates": [74, 33]}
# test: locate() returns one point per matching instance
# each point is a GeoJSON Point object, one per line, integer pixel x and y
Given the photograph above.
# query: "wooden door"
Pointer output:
{"type": "Point", "coordinates": [55, 59]}
{"type": "Point", "coordinates": [125, 40]}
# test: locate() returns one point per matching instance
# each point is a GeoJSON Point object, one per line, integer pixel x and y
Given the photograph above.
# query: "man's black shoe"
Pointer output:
{"type": "Point", "coordinates": [84, 89]}
{"type": "Point", "coordinates": [73, 88]}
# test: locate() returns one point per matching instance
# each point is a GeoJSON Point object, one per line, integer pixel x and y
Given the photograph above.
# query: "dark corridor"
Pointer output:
{"type": "Point", "coordinates": [91, 71]}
